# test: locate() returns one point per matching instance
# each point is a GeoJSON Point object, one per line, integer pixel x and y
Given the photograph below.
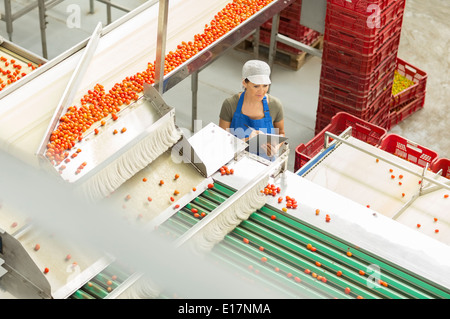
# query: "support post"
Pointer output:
{"type": "Point", "coordinates": [273, 39]}
{"type": "Point", "coordinates": [8, 19]}
{"type": "Point", "coordinates": [161, 44]}
{"type": "Point", "coordinates": [43, 26]}
{"type": "Point", "coordinates": [194, 88]}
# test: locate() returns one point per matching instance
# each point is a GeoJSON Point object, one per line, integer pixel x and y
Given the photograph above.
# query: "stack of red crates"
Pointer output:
{"type": "Point", "coordinates": [361, 42]}
{"type": "Point", "coordinates": [289, 26]}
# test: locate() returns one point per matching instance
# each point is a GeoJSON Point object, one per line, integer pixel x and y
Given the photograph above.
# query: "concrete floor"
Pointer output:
{"type": "Point", "coordinates": [424, 43]}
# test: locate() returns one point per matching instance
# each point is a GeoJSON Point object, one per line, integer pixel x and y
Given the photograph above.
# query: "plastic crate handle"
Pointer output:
{"type": "Point", "coordinates": [411, 68]}
{"type": "Point", "coordinates": [346, 37]}
{"type": "Point", "coordinates": [340, 89]}
{"type": "Point", "coordinates": [362, 128]}
{"type": "Point", "coordinates": [343, 72]}
{"type": "Point", "coordinates": [413, 146]}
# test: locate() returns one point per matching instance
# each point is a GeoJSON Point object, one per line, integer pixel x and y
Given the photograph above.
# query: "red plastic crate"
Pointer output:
{"type": "Point", "coordinates": [362, 6]}
{"type": "Point", "coordinates": [347, 38]}
{"type": "Point", "coordinates": [384, 122]}
{"type": "Point", "coordinates": [356, 62]}
{"type": "Point", "coordinates": [266, 26]}
{"type": "Point", "coordinates": [361, 130]}
{"type": "Point", "coordinates": [408, 150]}
{"type": "Point", "coordinates": [382, 118]}
{"type": "Point", "coordinates": [355, 81]}
{"type": "Point", "coordinates": [367, 23]}
{"type": "Point", "coordinates": [329, 107]}
{"type": "Point", "coordinates": [414, 74]}
{"type": "Point", "coordinates": [358, 100]}
{"type": "Point", "coordinates": [295, 31]}
{"type": "Point", "coordinates": [293, 11]}
{"type": "Point", "coordinates": [441, 164]}
{"type": "Point", "coordinates": [311, 37]}
{"type": "Point", "coordinates": [322, 121]}
{"type": "Point", "coordinates": [264, 36]}
{"type": "Point", "coordinates": [403, 111]}
{"type": "Point", "coordinates": [326, 109]}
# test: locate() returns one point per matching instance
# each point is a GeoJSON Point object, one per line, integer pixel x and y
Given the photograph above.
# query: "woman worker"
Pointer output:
{"type": "Point", "coordinates": [253, 111]}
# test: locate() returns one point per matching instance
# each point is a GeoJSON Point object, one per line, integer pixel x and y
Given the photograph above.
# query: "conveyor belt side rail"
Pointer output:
{"type": "Point", "coordinates": [232, 199]}
{"type": "Point", "coordinates": [72, 87]}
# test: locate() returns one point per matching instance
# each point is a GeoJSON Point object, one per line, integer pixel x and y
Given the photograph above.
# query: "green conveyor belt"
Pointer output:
{"type": "Point", "coordinates": [102, 284]}
{"type": "Point", "coordinates": [278, 249]}
{"type": "Point", "coordinates": [331, 254]}
{"type": "Point", "coordinates": [80, 294]}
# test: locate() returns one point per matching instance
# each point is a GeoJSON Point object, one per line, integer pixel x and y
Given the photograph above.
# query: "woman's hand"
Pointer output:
{"type": "Point", "coordinates": [254, 133]}
{"type": "Point", "coordinates": [270, 149]}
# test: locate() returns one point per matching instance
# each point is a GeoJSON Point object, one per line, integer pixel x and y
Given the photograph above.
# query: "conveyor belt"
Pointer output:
{"type": "Point", "coordinates": [12, 68]}
{"type": "Point", "coordinates": [272, 247]}
{"type": "Point", "coordinates": [103, 284]}
{"type": "Point", "coordinates": [15, 63]}
{"type": "Point", "coordinates": [119, 47]}
{"type": "Point", "coordinates": [359, 176]}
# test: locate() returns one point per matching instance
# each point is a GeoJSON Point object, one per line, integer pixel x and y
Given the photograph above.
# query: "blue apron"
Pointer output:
{"type": "Point", "coordinates": [240, 124]}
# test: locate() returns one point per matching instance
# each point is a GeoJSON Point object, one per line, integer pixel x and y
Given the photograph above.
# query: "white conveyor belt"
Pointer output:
{"type": "Point", "coordinates": [360, 177]}
{"type": "Point", "coordinates": [124, 51]}
{"type": "Point", "coordinates": [142, 198]}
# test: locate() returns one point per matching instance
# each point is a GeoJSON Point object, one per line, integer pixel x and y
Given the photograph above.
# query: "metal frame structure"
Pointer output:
{"type": "Point", "coordinates": [43, 5]}
{"type": "Point", "coordinates": [73, 85]}
{"type": "Point", "coordinates": [280, 162]}
{"type": "Point", "coordinates": [19, 51]}
{"type": "Point", "coordinates": [109, 5]}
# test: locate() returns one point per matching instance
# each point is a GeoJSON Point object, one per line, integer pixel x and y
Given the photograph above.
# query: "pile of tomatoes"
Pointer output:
{"type": "Point", "coordinates": [12, 71]}
{"type": "Point", "coordinates": [98, 104]}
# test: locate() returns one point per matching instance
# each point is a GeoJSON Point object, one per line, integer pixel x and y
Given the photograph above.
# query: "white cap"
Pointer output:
{"type": "Point", "coordinates": [256, 71]}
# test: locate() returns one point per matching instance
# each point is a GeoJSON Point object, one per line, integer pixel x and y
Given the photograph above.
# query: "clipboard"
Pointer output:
{"type": "Point", "coordinates": [264, 138]}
